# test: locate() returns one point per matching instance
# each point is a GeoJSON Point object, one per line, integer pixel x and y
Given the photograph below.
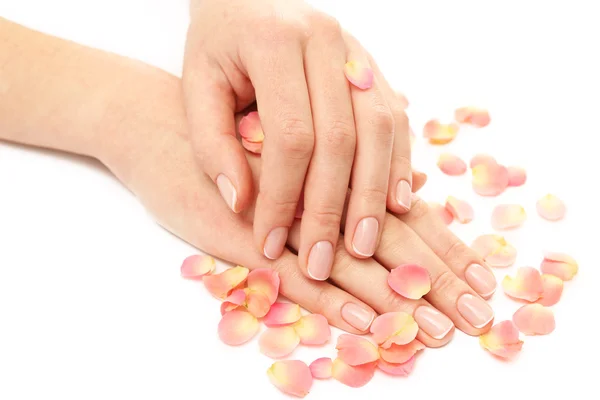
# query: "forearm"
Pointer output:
{"type": "Point", "coordinates": [61, 95]}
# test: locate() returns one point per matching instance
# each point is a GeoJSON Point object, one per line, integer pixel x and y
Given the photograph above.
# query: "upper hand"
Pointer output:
{"type": "Point", "coordinates": [321, 133]}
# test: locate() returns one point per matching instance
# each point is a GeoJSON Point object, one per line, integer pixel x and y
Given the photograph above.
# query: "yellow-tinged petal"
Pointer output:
{"type": "Point", "coordinates": [394, 327]}
{"type": "Point", "coordinates": [221, 285]}
{"type": "Point", "coordinates": [551, 208]}
{"type": "Point", "coordinates": [313, 330]}
{"type": "Point", "coordinates": [356, 350]}
{"type": "Point", "coordinates": [251, 128]}
{"type": "Point", "coordinates": [508, 216]}
{"type": "Point", "coordinates": [560, 265]}
{"type": "Point", "coordinates": [478, 117]}
{"type": "Point", "coordinates": [292, 377]}
{"type": "Point", "coordinates": [197, 266]}
{"type": "Point", "coordinates": [237, 327]}
{"type": "Point", "coordinates": [526, 285]}
{"type": "Point", "coordinates": [439, 133]}
{"type": "Point", "coordinates": [321, 368]}
{"type": "Point", "coordinates": [282, 314]}
{"type": "Point", "coordinates": [502, 340]}
{"type": "Point", "coordinates": [359, 74]}
{"type": "Point", "coordinates": [410, 280]}
{"type": "Point", "coordinates": [353, 376]}
{"type": "Point", "coordinates": [460, 209]}
{"type": "Point", "coordinates": [278, 342]}
{"type": "Point", "coordinates": [534, 319]}
{"type": "Point", "coordinates": [265, 281]}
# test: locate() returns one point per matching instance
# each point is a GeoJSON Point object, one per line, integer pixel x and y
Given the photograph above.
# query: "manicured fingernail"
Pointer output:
{"type": "Point", "coordinates": [403, 194]}
{"type": "Point", "coordinates": [227, 191]}
{"type": "Point", "coordinates": [481, 280]}
{"type": "Point", "coordinates": [357, 316]}
{"type": "Point", "coordinates": [476, 311]}
{"type": "Point", "coordinates": [365, 237]}
{"type": "Point", "coordinates": [275, 242]}
{"type": "Point", "coordinates": [320, 260]}
{"type": "Point", "coordinates": [433, 322]}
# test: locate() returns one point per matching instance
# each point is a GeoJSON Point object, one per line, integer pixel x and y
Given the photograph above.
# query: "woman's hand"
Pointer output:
{"type": "Point", "coordinates": [155, 161]}
{"type": "Point", "coordinates": [322, 134]}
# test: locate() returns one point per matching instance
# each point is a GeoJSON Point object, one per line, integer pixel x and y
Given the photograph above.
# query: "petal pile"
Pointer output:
{"type": "Point", "coordinates": [282, 314]}
{"type": "Point", "coordinates": [278, 342]}
{"type": "Point", "coordinates": [196, 266]}
{"type": "Point", "coordinates": [356, 350]}
{"type": "Point", "coordinates": [251, 132]}
{"type": "Point", "coordinates": [439, 133]}
{"type": "Point", "coordinates": [460, 210]}
{"type": "Point", "coordinates": [353, 375]}
{"type": "Point", "coordinates": [534, 319]}
{"type": "Point", "coordinates": [508, 216]}
{"type": "Point", "coordinates": [359, 74]}
{"type": "Point", "coordinates": [560, 265]}
{"type": "Point", "coordinates": [410, 280]}
{"type": "Point", "coordinates": [502, 340]}
{"type": "Point", "coordinates": [551, 208]}
{"type": "Point", "coordinates": [292, 377]}
{"type": "Point", "coordinates": [401, 353]}
{"type": "Point", "coordinates": [451, 165]}
{"type": "Point", "coordinates": [282, 339]}
{"type": "Point", "coordinates": [526, 285]}
{"type": "Point", "coordinates": [495, 250]}
{"type": "Point", "coordinates": [221, 285]}
{"type": "Point", "coordinates": [475, 116]}
{"type": "Point", "coordinates": [442, 212]}
{"type": "Point", "coordinates": [237, 327]}
{"type": "Point", "coordinates": [394, 328]}
{"type": "Point", "coordinates": [403, 369]}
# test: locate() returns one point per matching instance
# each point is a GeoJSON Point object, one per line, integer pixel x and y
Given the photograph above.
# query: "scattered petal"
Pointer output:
{"type": "Point", "coordinates": [353, 376]}
{"type": "Point", "coordinates": [399, 354]}
{"type": "Point", "coordinates": [221, 285]}
{"type": "Point", "coordinates": [551, 208]}
{"type": "Point", "coordinates": [291, 377]}
{"type": "Point", "coordinates": [356, 350]}
{"type": "Point", "coordinates": [282, 314]}
{"type": "Point", "coordinates": [560, 265]}
{"type": "Point", "coordinates": [251, 128]}
{"type": "Point", "coordinates": [321, 368]}
{"type": "Point", "coordinates": [526, 285]}
{"type": "Point", "coordinates": [489, 179]}
{"type": "Point", "coordinates": [460, 209]}
{"type": "Point", "coordinates": [534, 319]}
{"type": "Point", "coordinates": [255, 148]}
{"type": "Point", "coordinates": [313, 330]}
{"type": "Point", "coordinates": [278, 342]}
{"type": "Point", "coordinates": [410, 280]}
{"type": "Point", "coordinates": [358, 74]}
{"type": "Point", "coordinates": [516, 176]}
{"type": "Point", "coordinates": [495, 250]}
{"type": "Point", "coordinates": [442, 212]}
{"type": "Point", "coordinates": [237, 327]}
{"type": "Point", "coordinates": [236, 299]}
{"type": "Point", "coordinates": [394, 327]}
{"type": "Point", "coordinates": [439, 133]}
{"type": "Point", "coordinates": [403, 369]}
{"type": "Point", "coordinates": [508, 216]}
{"type": "Point", "coordinates": [266, 281]}
{"type": "Point", "coordinates": [502, 340]}
{"type": "Point", "coordinates": [257, 303]}
{"type": "Point", "coordinates": [197, 266]}
{"type": "Point", "coordinates": [552, 290]}
{"type": "Point", "coordinates": [451, 164]}
{"type": "Point", "coordinates": [478, 117]}
{"type": "Point", "coordinates": [480, 159]}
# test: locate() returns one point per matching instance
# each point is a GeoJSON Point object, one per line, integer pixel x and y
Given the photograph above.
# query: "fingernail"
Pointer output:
{"type": "Point", "coordinates": [227, 191]}
{"type": "Point", "coordinates": [433, 322]}
{"type": "Point", "coordinates": [476, 311]}
{"type": "Point", "coordinates": [275, 242]}
{"type": "Point", "coordinates": [481, 280]}
{"type": "Point", "coordinates": [320, 260]}
{"type": "Point", "coordinates": [403, 194]}
{"type": "Point", "coordinates": [357, 316]}
{"type": "Point", "coordinates": [365, 237]}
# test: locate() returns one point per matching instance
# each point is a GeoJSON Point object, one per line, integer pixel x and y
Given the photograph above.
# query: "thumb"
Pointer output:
{"type": "Point", "coordinates": [210, 106]}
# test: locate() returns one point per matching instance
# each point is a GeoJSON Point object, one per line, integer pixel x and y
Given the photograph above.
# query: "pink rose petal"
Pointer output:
{"type": "Point", "coordinates": [353, 376]}
{"type": "Point", "coordinates": [278, 342]}
{"type": "Point", "coordinates": [237, 327]}
{"type": "Point", "coordinates": [321, 368]}
{"type": "Point", "coordinates": [356, 350]}
{"type": "Point", "coordinates": [534, 319]}
{"type": "Point", "coordinates": [508, 216]}
{"type": "Point", "coordinates": [403, 369]}
{"type": "Point", "coordinates": [516, 176]}
{"type": "Point", "coordinates": [451, 164]}
{"type": "Point", "coordinates": [460, 210]}
{"type": "Point", "coordinates": [282, 314]}
{"type": "Point", "coordinates": [197, 266]}
{"type": "Point", "coordinates": [292, 377]}
{"type": "Point", "coordinates": [410, 280]}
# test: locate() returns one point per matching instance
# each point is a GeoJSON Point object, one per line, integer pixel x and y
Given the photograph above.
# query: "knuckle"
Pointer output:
{"type": "Point", "coordinates": [400, 161]}
{"type": "Point", "coordinates": [280, 204]}
{"type": "Point", "coordinates": [443, 282]}
{"type": "Point", "coordinates": [274, 27]}
{"type": "Point", "coordinates": [326, 217]}
{"type": "Point", "coordinates": [394, 302]}
{"type": "Point", "coordinates": [296, 138]}
{"type": "Point", "coordinates": [456, 250]}
{"type": "Point", "coordinates": [340, 138]}
{"type": "Point", "coordinates": [382, 121]}
{"type": "Point", "coordinates": [325, 24]}
{"type": "Point", "coordinates": [419, 209]}
{"type": "Point", "coordinates": [324, 301]}
{"type": "Point", "coordinates": [401, 121]}
{"type": "Point", "coordinates": [374, 195]}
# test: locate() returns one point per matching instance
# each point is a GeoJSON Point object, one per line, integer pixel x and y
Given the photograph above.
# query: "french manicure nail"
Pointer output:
{"type": "Point", "coordinates": [227, 191]}
{"type": "Point", "coordinates": [475, 310]}
{"type": "Point", "coordinates": [481, 280]}
{"type": "Point", "coordinates": [433, 322]}
{"type": "Point", "coordinates": [403, 194]}
{"type": "Point", "coordinates": [320, 260]}
{"type": "Point", "coordinates": [275, 242]}
{"type": "Point", "coordinates": [357, 316]}
{"type": "Point", "coordinates": [365, 237]}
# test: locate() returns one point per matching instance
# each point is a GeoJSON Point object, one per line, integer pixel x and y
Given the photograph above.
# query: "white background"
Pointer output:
{"type": "Point", "coordinates": [91, 302]}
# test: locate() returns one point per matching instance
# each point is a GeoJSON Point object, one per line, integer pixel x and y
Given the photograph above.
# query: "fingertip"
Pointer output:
{"type": "Point", "coordinates": [400, 197]}
{"type": "Point", "coordinates": [320, 261]}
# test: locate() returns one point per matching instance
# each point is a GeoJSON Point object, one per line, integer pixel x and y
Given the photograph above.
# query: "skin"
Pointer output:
{"type": "Point", "coordinates": [131, 117]}
{"type": "Point", "coordinates": [322, 135]}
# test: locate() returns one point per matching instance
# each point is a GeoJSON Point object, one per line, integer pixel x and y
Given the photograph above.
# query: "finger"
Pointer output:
{"type": "Point", "coordinates": [371, 169]}
{"type": "Point", "coordinates": [399, 193]}
{"type": "Point", "coordinates": [367, 280]}
{"type": "Point", "coordinates": [461, 259]}
{"type": "Point", "coordinates": [284, 107]}
{"type": "Point", "coordinates": [449, 294]}
{"type": "Point", "coordinates": [210, 106]}
{"type": "Point", "coordinates": [335, 137]}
